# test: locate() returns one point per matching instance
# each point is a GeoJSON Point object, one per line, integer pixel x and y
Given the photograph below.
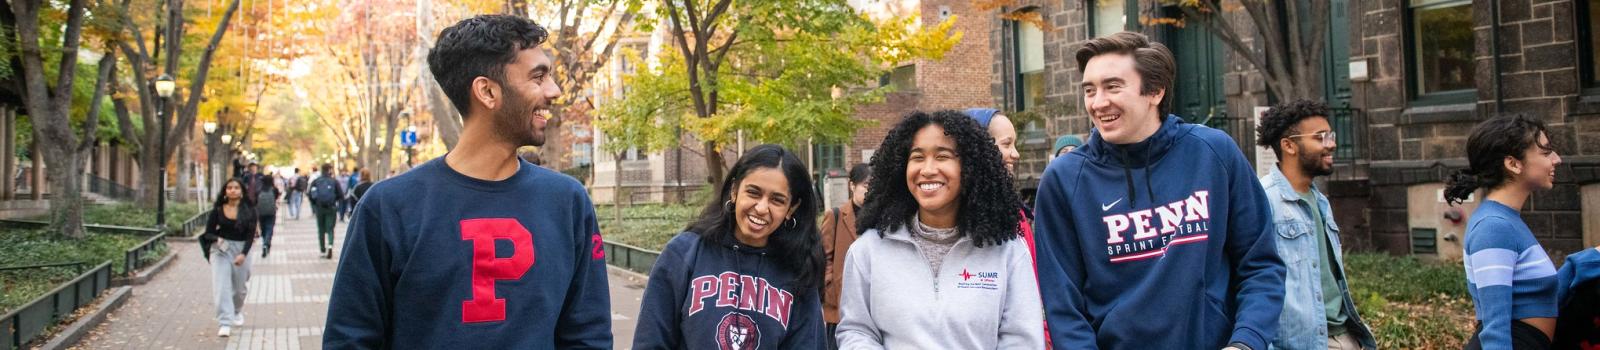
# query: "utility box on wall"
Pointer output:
{"type": "Point", "coordinates": [1429, 214]}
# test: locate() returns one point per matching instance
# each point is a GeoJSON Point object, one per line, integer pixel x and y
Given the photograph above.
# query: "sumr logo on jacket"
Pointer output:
{"type": "Point", "coordinates": [1155, 229]}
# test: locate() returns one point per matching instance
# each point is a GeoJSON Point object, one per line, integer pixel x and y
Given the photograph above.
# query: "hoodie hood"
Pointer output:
{"type": "Point", "coordinates": [1139, 155]}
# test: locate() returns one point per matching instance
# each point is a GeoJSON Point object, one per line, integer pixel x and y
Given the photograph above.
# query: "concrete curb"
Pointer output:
{"type": "Point", "coordinates": [148, 273]}
{"type": "Point", "coordinates": [74, 332]}
{"type": "Point", "coordinates": [629, 274]}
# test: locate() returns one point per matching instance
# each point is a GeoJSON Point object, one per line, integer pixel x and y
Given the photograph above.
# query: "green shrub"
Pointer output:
{"type": "Point", "coordinates": [1409, 303]}
{"type": "Point", "coordinates": [34, 247]}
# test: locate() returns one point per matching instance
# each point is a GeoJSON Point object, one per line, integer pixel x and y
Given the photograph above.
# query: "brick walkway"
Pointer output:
{"type": "Point", "coordinates": [286, 307]}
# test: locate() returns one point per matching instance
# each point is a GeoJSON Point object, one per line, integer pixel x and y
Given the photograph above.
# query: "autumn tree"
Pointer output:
{"type": "Point", "coordinates": [1289, 34]}
{"type": "Point", "coordinates": [775, 71]}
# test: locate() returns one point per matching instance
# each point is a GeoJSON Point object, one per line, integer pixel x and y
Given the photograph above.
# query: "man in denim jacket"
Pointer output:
{"type": "Point", "coordinates": [1317, 310]}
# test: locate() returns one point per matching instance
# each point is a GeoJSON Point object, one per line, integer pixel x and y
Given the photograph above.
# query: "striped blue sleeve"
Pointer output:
{"type": "Point", "coordinates": [1491, 263]}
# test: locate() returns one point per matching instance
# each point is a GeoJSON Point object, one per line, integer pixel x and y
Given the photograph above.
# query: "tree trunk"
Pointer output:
{"type": "Point", "coordinates": [713, 164]}
{"type": "Point", "coordinates": [445, 117]}
{"type": "Point", "coordinates": [181, 194]}
{"type": "Point", "coordinates": [66, 187]}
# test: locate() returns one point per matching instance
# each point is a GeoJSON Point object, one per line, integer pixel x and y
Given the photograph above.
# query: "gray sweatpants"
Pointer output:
{"type": "Point", "coordinates": [229, 282]}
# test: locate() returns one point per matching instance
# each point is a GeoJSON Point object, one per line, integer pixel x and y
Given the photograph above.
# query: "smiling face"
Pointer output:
{"type": "Point", "coordinates": [1314, 154]}
{"type": "Point", "coordinates": [1111, 86]}
{"type": "Point", "coordinates": [933, 172]}
{"type": "Point", "coordinates": [1005, 138]}
{"type": "Point", "coordinates": [519, 116]}
{"type": "Point", "coordinates": [761, 203]}
{"type": "Point", "coordinates": [1537, 168]}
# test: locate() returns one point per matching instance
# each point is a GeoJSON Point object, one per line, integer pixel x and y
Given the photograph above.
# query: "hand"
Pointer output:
{"type": "Point", "coordinates": [238, 260]}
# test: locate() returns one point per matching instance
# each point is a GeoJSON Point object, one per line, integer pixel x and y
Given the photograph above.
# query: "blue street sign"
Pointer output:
{"type": "Point", "coordinates": [408, 138]}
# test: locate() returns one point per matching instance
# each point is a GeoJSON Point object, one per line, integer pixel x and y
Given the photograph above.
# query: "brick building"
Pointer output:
{"type": "Point", "coordinates": [1407, 80]}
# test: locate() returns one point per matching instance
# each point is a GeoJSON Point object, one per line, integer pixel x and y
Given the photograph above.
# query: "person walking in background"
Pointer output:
{"type": "Point", "coordinates": [361, 188]}
{"type": "Point", "coordinates": [298, 184]}
{"type": "Point", "coordinates": [939, 265]}
{"type": "Point", "coordinates": [1318, 312]}
{"type": "Point", "coordinates": [1064, 144]}
{"type": "Point", "coordinates": [230, 232]}
{"type": "Point", "coordinates": [325, 194]}
{"type": "Point", "coordinates": [1155, 234]}
{"type": "Point", "coordinates": [348, 184]}
{"type": "Point", "coordinates": [838, 233]}
{"type": "Point", "coordinates": [745, 275]}
{"type": "Point", "coordinates": [1511, 279]}
{"type": "Point", "coordinates": [266, 206]}
{"type": "Point", "coordinates": [477, 249]}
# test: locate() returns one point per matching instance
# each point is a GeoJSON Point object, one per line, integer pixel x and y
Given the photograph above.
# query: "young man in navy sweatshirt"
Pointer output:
{"type": "Point", "coordinates": [477, 249]}
{"type": "Point", "coordinates": [1155, 234]}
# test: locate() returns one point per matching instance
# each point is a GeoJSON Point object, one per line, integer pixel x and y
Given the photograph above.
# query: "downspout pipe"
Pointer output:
{"type": "Point", "coordinates": [1494, 51]}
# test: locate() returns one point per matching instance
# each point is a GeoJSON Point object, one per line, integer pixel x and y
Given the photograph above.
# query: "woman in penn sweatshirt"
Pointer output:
{"type": "Point", "coordinates": [1512, 281]}
{"type": "Point", "coordinates": [748, 273]}
{"type": "Point", "coordinates": [939, 265]}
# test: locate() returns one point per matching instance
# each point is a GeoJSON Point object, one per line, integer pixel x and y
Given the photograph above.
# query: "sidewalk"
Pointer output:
{"type": "Point", "coordinates": [286, 307]}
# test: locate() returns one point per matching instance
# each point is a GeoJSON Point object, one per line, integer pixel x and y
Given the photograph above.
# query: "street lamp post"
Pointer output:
{"type": "Point", "coordinates": [164, 86]}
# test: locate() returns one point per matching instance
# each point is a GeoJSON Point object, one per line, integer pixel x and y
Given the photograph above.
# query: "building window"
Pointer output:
{"type": "Point", "coordinates": [1591, 10]}
{"type": "Point", "coordinates": [826, 157]}
{"type": "Point", "coordinates": [902, 78]}
{"type": "Point", "coordinates": [1110, 16]}
{"type": "Point", "coordinates": [632, 154]}
{"type": "Point", "coordinates": [1029, 53]}
{"type": "Point", "coordinates": [1441, 40]}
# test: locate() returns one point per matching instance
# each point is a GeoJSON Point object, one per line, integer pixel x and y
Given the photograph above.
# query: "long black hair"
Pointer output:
{"type": "Point", "coordinates": [988, 212]}
{"type": "Point", "coordinates": [795, 246]}
{"type": "Point", "coordinates": [245, 217]}
{"type": "Point", "coordinates": [1487, 147]}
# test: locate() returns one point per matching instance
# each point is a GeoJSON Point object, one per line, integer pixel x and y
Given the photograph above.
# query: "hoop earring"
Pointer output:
{"type": "Point", "coordinates": [793, 223]}
{"type": "Point", "coordinates": [728, 206]}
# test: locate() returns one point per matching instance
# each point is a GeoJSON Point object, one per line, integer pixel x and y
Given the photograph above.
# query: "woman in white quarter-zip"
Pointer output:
{"type": "Point", "coordinates": [939, 265]}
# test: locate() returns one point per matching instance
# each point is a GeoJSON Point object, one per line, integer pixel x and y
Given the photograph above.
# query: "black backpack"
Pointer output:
{"type": "Point", "coordinates": [324, 192]}
{"type": "Point", "coordinates": [300, 184]}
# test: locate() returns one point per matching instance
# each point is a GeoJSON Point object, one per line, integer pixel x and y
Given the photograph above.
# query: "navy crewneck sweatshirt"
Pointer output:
{"type": "Point", "coordinates": [436, 259]}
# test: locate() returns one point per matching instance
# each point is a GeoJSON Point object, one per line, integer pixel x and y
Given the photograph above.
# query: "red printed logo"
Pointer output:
{"type": "Point", "coordinates": [599, 247]}
{"type": "Point", "coordinates": [488, 269]}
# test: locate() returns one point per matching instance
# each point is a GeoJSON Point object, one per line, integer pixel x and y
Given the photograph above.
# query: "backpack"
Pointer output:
{"type": "Point", "coordinates": [300, 183]}
{"type": "Point", "coordinates": [324, 192]}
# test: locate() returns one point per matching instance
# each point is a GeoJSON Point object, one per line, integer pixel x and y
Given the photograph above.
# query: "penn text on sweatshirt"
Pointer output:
{"type": "Point", "coordinates": [1162, 244]}
{"type": "Point", "coordinates": [703, 295]}
{"type": "Point", "coordinates": [436, 259]}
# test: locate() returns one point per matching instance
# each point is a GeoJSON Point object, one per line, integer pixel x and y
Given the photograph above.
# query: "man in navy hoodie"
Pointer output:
{"type": "Point", "coordinates": [477, 249]}
{"type": "Point", "coordinates": [1155, 234]}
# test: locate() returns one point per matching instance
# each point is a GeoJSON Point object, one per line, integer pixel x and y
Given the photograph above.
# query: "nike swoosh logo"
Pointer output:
{"type": "Point", "coordinates": [1108, 206]}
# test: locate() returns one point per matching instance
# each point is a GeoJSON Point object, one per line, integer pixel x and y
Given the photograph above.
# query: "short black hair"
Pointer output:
{"type": "Point", "coordinates": [1281, 119]}
{"type": "Point", "coordinates": [480, 46]}
{"type": "Point", "coordinates": [989, 211]}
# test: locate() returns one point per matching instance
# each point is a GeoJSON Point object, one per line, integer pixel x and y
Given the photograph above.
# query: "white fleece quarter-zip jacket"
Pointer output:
{"type": "Point", "coordinates": [983, 298]}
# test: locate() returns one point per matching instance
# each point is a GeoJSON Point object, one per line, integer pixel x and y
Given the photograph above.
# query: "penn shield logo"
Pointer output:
{"type": "Point", "coordinates": [738, 331]}
{"type": "Point", "coordinates": [1157, 229]}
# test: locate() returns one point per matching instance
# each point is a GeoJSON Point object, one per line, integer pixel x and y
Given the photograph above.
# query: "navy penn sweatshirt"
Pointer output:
{"type": "Point", "coordinates": [436, 259]}
{"type": "Point", "coordinates": [707, 296]}
{"type": "Point", "coordinates": [1162, 244]}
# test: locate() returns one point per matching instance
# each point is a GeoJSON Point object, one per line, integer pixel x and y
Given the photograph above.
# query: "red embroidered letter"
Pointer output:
{"type": "Point", "coordinates": [599, 247]}
{"type": "Point", "coordinates": [486, 268]}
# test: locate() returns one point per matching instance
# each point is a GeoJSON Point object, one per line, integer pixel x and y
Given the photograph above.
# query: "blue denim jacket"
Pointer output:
{"type": "Point", "coordinates": [1303, 323]}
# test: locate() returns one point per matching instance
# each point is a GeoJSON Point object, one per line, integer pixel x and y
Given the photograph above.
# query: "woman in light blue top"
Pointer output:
{"type": "Point", "coordinates": [1511, 279]}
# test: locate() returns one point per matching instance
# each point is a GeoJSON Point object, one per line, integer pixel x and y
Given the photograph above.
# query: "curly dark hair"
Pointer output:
{"type": "Point", "coordinates": [1281, 119]}
{"type": "Point", "coordinates": [1487, 147]}
{"type": "Point", "coordinates": [479, 47]}
{"type": "Point", "coordinates": [797, 248]}
{"type": "Point", "coordinates": [988, 212]}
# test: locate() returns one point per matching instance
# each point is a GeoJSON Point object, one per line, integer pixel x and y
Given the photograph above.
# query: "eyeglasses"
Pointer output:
{"type": "Point", "coordinates": [1327, 138]}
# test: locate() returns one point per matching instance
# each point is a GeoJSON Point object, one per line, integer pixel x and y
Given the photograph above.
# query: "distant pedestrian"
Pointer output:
{"type": "Point", "coordinates": [361, 188]}
{"type": "Point", "coordinates": [267, 210]}
{"type": "Point", "coordinates": [325, 194]}
{"type": "Point", "coordinates": [838, 233]}
{"type": "Point", "coordinates": [299, 183]}
{"type": "Point", "coordinates": [226, 243]}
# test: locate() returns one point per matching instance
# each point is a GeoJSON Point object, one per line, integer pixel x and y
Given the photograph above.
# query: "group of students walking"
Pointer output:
{"type": "Point", "coordinates": [1153, 234]}
{"type": "Point", "coordinates": [246, 210]}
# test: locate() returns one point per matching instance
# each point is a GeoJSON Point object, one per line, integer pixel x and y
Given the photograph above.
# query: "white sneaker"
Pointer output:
{"type": "Point", "coordinates": [224, 331]}
{"type": "Point", "coordinates": [238, 319]}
